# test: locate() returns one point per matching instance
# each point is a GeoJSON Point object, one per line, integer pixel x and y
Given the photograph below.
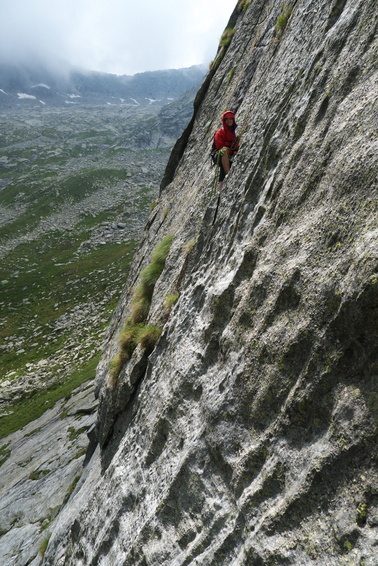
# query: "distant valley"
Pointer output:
{"type": "Point", "coordinates": [76, 185]}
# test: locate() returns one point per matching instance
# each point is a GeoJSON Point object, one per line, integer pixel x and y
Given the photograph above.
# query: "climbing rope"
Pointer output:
{"type": "Point", "coordinates": [217, 167]}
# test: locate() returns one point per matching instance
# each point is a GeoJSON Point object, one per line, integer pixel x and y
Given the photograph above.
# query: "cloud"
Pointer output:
{"type": "Point", "coordinates": [118, 36]}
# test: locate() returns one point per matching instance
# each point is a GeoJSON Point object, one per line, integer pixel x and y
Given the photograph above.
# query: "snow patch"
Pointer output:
{"type": "Point", "coordinates": [23, 96]}
{"type": "Point", "coordinates": [74, 95]}
{"type": "Point", "coordinates": [42, 85]}
{"type": "Point", "coordinates": [3, 91]}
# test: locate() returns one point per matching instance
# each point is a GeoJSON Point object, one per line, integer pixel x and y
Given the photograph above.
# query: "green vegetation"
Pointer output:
{"type": "Point", "coordinates": [64, 175]}
{"type": "Point", "coordinates": [169, 301]}
{"type": "Point", "coordinates": [283, 18]}
{"type": "Point", "coordinates": [148, 337]}
{"type": "Point", "coordinates": [130, 337]}
{"type": "Point", "coordinates": [58, 167]}
{"type": "Point", "coordinates": [44, 544]}
{"type": "Point", "coordinates": [231, 74]}
{"type": "Point", "coordinates": [154, 204]}
{"type": "Point", "coordinates": [48, 286]}
{"type": "Point", "coordinates": [160, 253]}
{"type": "Point", "coordinates": [348, 545]}
{"type": "Point", "coordinates": [152, 272]}
{"type": "Point", "coordinates": [73, 484]}
{"type": "Point", "coordinates": [213, 66]}
{"type": "Point", "coordinates": [38, 474]}
{"type": "Point", "coordinates": [362, 510]}
{"type": "Point", "coordinates": [4, 453]}
{"type": "Point", "coordinates": [74, 433]}
{"type": "Point", "coordinates": [226, 38]}
{"type": "Point", "coordinates": [36, 403]}
{"type": "Point", "coordinates": [135, 330]}
{"type": "Point", "coordinates": [243, 4]}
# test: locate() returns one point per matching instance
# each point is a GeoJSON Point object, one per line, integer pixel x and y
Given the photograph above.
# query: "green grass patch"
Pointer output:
{"type": "Point", "coordinates": [283, 19]}
{"type": "Point", "coordinates": [4, 453]}
{"type": "Point", "coordinates": [226, 38]}
{"type": "Point", "coordinates": [87, 182]}
{"type": "Point", "coordinates": [38, 402]}
{"type": "Point", "coordinates": [44, 544]}
{"type": "Point", "coordinates": [50, 290]}
{"type": "Point", "coordinates": [74, 433]}
{"type": "Point", "coordinates": [38, 474]}
{"type": "Point", "coordinates": [73, 484]}
{"type": "Point", "coordinates": [169, 301]}
{"type": "Point", "coordinates": [148, 337]}
{"type": "Point", "coordinates": [135, 330]}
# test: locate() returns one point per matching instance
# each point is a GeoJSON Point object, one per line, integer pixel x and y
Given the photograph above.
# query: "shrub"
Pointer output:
{"type": "Point", "coordinates": [152, 272]}
{"type": "Point", "coordinates": [130, 337]}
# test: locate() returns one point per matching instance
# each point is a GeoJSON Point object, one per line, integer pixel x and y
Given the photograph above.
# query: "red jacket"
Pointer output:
{"type": "Point", "coordinates": [225, 136]}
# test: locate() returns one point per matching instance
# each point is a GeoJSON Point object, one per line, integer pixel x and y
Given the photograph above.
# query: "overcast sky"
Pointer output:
{"type": "Point", "coordinates": [115, 36]}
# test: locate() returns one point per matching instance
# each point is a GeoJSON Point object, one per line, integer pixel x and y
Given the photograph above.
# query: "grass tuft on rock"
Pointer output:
{"type": "Point", "coordinates": [44, 544]}
{"type": "Point", "coordinates": [227, 35]}
{"type": "Point", "coordinates": [135, 330]}
{"type": "Point", "coordinates": [139, 309]}
{"type": "Point", "coordinates": [148, 337]}
{"type": "Point", "coordinates": [283, 19]}
{"type": "Point", "coordinates": [160, 253]}
{"type": "Point", "coordinates": [169, 301]}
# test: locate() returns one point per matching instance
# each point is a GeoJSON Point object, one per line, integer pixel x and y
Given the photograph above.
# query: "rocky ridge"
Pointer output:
{"type": "Point", "coordinates": [248, 435]}
{"type": "Point", "coordinates": [34, 86]}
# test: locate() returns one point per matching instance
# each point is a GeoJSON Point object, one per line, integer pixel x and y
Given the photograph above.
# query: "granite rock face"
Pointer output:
{"type": "Point", "coordinates": [248, 435]}
{"type": "Point", "coordinates": [42, 464]}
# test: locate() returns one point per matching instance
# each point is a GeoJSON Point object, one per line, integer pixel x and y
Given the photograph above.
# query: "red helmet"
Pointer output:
{"type": "Point", "coordinates": [228, 114]}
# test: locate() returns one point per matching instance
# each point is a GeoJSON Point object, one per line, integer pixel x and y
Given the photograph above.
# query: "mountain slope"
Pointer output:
{"type": "Point", "coordinates": [248, 435]}
{"type": "Point", "coordinates": [33, 87]}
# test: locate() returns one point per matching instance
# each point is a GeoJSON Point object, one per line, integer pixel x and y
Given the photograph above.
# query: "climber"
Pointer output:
{"type": "Point", "coordinates": [226, 144]}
